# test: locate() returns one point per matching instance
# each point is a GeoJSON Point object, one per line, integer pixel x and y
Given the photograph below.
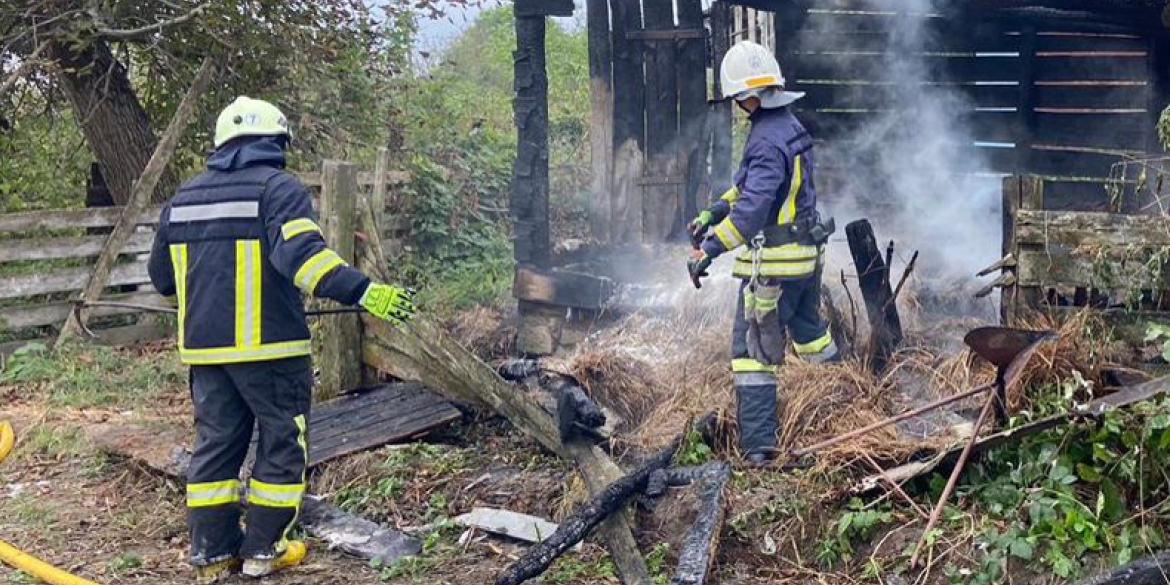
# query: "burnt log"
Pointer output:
{"type": "Point", "coordinates": [702, 541]}
{"type": "Point", "coordinates": [874, 282]}
{"type": "Point", "coordinates": [576, 527]}
{"type": "Point", "coordinates": [1144, 571]}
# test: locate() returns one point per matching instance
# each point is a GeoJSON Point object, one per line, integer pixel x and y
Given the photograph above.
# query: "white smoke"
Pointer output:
{"type": "Point", "coordinates": [912, 168]}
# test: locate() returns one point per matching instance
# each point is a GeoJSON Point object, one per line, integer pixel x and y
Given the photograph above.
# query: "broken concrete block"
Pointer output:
{"type": "Point", "coordinates": [511, 524]}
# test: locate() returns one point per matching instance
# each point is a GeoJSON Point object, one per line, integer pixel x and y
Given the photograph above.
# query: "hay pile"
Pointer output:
{"type": "Point", "coordinates": [657, 373]}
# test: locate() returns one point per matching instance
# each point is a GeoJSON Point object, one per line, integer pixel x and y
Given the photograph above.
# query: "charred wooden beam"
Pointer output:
{"type": "Point", "coordinates": [541, 8]}
{"type": "Point", "coordinates": [587, 516]}
{"type": "Point", "coordinates": [629, 122]}
{"type": "Point", "coordinates": [721, 111]}
{"type": "Point", "coordinates": [562, 288]}
{"type": "Point", "coordinates": [701, 545]}
{"type": "Point", "coordinates": [529, 204]}
{"type": "Point", "coordinates": [874, 282]}
{"type": "Point", "coordinates": [662, 212]}
{"type": "Point", "coordinates": [1144, 571]}
{"type": "Point", "coordinates": [692, 66]}
{"type": "Point", "coordinates": [601, 119]}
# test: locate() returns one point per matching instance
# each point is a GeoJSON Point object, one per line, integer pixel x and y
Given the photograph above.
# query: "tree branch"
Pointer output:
{"type": "Point", "coordinates": [137, 33]}
{"type": "Point", "coordinates": [25, 63]}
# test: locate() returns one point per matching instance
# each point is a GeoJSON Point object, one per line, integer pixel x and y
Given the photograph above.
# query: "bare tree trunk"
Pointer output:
{"type": "Point", "coordinates": [115, 125]}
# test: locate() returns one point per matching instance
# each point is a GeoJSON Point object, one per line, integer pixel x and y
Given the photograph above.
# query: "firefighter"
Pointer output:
{"type": "Point", "coordinates": [771, 210]}
{"type": "Point", "coordinates": [237, 246]}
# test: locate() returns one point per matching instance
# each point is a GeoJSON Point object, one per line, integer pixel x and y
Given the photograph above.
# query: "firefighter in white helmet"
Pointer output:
{"type": "Point", "coordinates": [771, 212]}
{"type": "Point", "coordinates": [237, 246]}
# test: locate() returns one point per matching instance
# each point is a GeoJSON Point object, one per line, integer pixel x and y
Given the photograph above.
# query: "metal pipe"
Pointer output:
{"type": "Point", "coordinates": [894, 419]}
{"type": "Point", "coordinates": [936, 513]}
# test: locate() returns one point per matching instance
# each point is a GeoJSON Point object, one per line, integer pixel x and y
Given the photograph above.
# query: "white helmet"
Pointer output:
{"type": "Point", "coordinates": [249, 117]}
{"type": "Point", "coordinates": [750, 70]}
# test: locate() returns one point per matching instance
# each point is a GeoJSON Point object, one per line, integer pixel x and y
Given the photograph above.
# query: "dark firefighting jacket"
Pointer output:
{"type": "Point", "coordinates": [773, 186]}
{"type": "Point", "coordinates": [237, 245]}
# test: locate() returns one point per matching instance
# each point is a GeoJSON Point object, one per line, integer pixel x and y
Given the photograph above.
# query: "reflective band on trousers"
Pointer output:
{"type": "Point", "coordinates": [826, 354]}
{"type": "Point", "coordinates": [747, 365]}
{"type": "Point", "coordinates": [214, 211]}
{"type": "Point", "coordinates": [215, 493]}
{"type": "Point", "coordinates": [297, 227]}
{"type": "Point", "coordinates": [815, 346]}
{"type": "Point", "coordinates": [235, 355]}
{"type": "Point", "coordinates": [275, 495]}
{"type": "Point", "coordinates": [754, 379]}
{"type": "Point", "coordinates": [315, 268]}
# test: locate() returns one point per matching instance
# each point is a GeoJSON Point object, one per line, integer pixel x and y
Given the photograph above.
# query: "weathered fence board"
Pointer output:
{"type": "Point", "coordinates": [60, 219]}
{"type": "Point", "coordinates": [1098, 268]}
{"type": "Point", "coordinates": [25, 316]}
{"type": "Point", "coordinates": [68, 247]}
{"type": "Point", "coordinates": [313, 179]}
{"type": "Point", "coordinates": [67, 279]}
{"type": "Point", "coordinates": [1091, 229]}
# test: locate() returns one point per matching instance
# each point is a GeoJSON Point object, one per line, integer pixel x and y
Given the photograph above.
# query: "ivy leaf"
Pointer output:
{"type": "Point", "coordinates": [1088, 473]}
{"type": "Point", "coordinates": [1022, 549]}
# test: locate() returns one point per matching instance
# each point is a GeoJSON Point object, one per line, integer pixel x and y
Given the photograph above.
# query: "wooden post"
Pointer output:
{"type": "Point", "coordinates": [692, 66]}
{"type": "Point", "coordinates": [721, 26]}
{"type": "Point", "coordinates": [874, 282]}
{"type": "Point", "coordinates": [1011, 204]}
{"type": "Point", "coordinates": [601, 127]}
{"type": "Point", "coordinates": [1031, 193]}
{"type": "Point", "coordinates": [530, 172]}
{"type": "Point", "coordinates": [629, 124]}
{"type": "Point", "coordinates": [139, 197]}
{"type": "Point", "coordinates": [379, 193]}
{"type": "Point", "coordinates": [661, 203]}
{"type": "Point", "coordinates": [340, 334]}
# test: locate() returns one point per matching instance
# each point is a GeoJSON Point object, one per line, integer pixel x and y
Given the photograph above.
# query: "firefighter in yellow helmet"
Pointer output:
{"type": "Point", "coordinates": [771, 212]}
{"type": "Point", "coordinates": [238, 245]}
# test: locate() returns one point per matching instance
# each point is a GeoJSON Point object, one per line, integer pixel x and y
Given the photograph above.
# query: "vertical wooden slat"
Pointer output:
{"type": "Point", "coordinates": [1011, 204]}
{"type": "Point", "coordinates": [692, 66]}
{"type": "Point", "coordinates": [601, 127]}
{"type": "Point", "coordinates": [721, 26]}
{"type": "Point", "coordinates": [530, 171]}
{"type": "Point", "coordinates": [661, 201]}
{"type": "Point", "coordinates": [340, 336]}
{"type": "Point", "coordinates": [379, 192]}
{"type": "Point", "coordinates": [1026, 114]}
{"type": "Point", "coordinates": [629, 124]}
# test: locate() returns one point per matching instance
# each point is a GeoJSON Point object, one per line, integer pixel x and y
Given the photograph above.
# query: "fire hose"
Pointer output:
{"type": "Point", "coordinates": [19, 559]}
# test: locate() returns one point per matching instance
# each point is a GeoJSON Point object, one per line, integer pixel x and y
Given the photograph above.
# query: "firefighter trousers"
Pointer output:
{"type": "Point", "coordinates": [797, 314]}
{"type": "Point", "coordinates": [230, 400]}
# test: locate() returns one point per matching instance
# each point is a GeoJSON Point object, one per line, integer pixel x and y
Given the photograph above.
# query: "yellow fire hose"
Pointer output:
{"type": "Point", "coordinates": [19, 559]}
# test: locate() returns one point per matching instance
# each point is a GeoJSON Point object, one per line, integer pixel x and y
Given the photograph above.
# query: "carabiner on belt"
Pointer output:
{"type": "Point", "coordinates": [757, 259]}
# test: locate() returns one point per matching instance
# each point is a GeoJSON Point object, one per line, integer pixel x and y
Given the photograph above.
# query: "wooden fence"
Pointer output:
{"type": "Point", "coordinates": [46, 257]}
{"type": "Point", "coordinates": [1066, 260]}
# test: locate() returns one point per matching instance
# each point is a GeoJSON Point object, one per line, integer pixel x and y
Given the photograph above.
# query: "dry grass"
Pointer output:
{"type": "Point", "coordinates": [486, 331]}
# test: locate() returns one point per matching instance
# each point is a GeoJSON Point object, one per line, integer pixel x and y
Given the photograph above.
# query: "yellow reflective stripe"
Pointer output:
{"type": "Point", "coordinates": [731, 195]}
{"type": "Point", "coordinates": [275, 495]}
{"type": "Point", "coordinates": [788, 210]}
{"type": "Point", "coordinates": [776, 269]}
{"type": "Point", "coordinates": [748, 365]}
{"type": "Point", "coordinates": [728, 234]}
{"type": "Point", "coordinates": [215, 493]}
{"type": "Point", "coordinates": [248, 303]}
{"type": "Point", "coordinates": [179, 265]}
{"type": "Point", "coordinates": [232, 355]}
{"type": "Point", "coordinates": [297, 227]}
{"type": "Point", "coordinates": [315, 268]}
{"type": "Point", "coordinates": [304, 443]}
{"type": "Point", "coordinates": [762, 81]}
{"type": "Point", "coordinates": [815, 346]}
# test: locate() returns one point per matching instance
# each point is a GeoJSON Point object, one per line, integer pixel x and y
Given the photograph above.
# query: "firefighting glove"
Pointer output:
{"type": "Point", "coordinates": [389, 303]}
{"type": "Point", "coordinates": [697, 267]}
{"type": "Point", "coordinates": [698, 227]}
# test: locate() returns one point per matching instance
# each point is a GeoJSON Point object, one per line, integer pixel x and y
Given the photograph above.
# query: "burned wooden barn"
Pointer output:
{"type": "Point", "coordinates": [1060, 96]}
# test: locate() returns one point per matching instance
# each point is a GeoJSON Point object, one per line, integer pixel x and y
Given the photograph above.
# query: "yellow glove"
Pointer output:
{"type": "Point", "coordinates": [389, 303]}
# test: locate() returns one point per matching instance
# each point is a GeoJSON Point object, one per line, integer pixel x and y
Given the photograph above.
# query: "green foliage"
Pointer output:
{"type": "Point", "coordinates": [694, 450]}
{"type": "Point", "coordinates": [857, 523]}
{"type": "Point", "coordinates": [1056, 498]}
{"type": "Point", "coordinates": [1159, 333]}
{"type": "Point", "coordinates": [571, 569]}
{"type": "Point", "coordinates": [656, 563]}
{"type": "Point", "coordinates": [83, 376]}
{"type": "Point", "coordinates": [125, 561]}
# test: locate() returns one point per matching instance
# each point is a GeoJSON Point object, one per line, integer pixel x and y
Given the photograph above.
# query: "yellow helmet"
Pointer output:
{"type": "Point", "coordinates": [249, 117]}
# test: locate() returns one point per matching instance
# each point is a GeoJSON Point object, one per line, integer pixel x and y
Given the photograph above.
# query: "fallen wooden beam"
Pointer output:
{"type": "Point", "coordinates": [354, 535]}
{"type": "Point", "coordinates": [423, 352]}
{"type": "Point", "coordinates": [1144, 571]}
{"type": "Point", "coordinates": [342, 426]}
{"type": "Point", "coordinates": [587, 516]}
{"type": "Point", "coordinates": [701, 545]}
{"type": "Point", "coordinates": [562, 288]}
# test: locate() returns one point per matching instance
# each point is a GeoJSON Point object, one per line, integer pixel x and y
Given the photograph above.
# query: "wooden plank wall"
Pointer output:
{"type": "Point", "coordinates": [1065, 99]}
{"type": "Point", "coordinates": [45, 257]}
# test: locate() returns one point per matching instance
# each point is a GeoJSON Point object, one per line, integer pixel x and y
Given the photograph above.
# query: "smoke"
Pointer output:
{"type": "Point", "coordinates": [912, 166]}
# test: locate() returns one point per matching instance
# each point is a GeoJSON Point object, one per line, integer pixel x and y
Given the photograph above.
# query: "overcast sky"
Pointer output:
{"type": "Point", "coordinates": [435, 35]}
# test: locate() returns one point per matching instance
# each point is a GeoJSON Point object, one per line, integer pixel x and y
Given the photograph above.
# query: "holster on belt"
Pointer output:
{"type": "Point", "coordinates": [806, 232]}
{"type": "Point", "coordinates": [766, 338]}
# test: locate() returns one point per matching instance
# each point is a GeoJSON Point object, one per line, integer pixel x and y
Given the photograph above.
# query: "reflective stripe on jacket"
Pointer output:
{"type": "Point", "coordinates": [238, 245]}
{"type": "Point", "coordinates": [774, 185]}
